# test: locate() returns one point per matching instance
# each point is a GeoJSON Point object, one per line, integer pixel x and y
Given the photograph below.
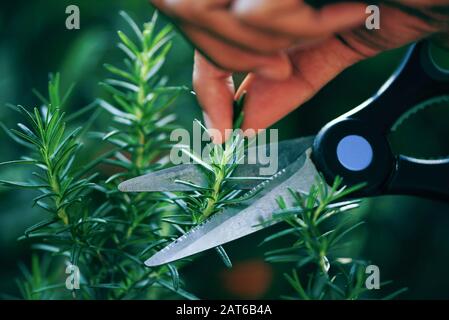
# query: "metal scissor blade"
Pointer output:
{"type": "Point", "coordinates": [287, 152]}
{"type": "Point", "coordinates": [166, 179]}
{"type": "Point", "coordinates": [239, 221]}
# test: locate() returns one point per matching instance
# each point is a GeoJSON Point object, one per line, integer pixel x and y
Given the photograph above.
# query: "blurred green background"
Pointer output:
{"type": "Point", "coordinates": [407, 237]}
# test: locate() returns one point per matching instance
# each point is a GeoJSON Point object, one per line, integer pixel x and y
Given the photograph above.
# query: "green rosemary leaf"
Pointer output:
{"type": "Point", "coordinates": [395, 294]}
{"type": "Point", "coordinates": [82, 111]}
{"type": "Point", "coordinates": [346, 191]}
{"type": "Point", "coordinates": [152, 246]}
{"type": "Point", "coordinates": [50, 287]}
{"type": "Point", "coordinates": [123, 84]}
{"type": "Point", "coordinates": [170, 90]}
{"type": "Point", "coordinates": [239, 179]}
{"type": "Point", "coordinates": [162, 33]}
{"type": "Point", "coordinates": [44, 195]}
{"type": "Point", "coordinates": [155, 66]}
{"type": "Point", "coordinates": [132, 24]}
{"type": "Point", "coordinates": [128, 43]}
{"type": "Point", "coordinates": [67, 94]}
{"type": "Point", "coordinates": [106, 286]}
{"type": "Point", "coordinates": [62, 159]}
{"type": "Point", "coordinates": [27, 135]}
{"type": "Point", "coordinates": [64, 145]}
{"type": "Point", "coordinates": [296, 284]}
{"type": "Point", "coordinates": [127, 51]}
{"type": "Point", "coordinates": [115, 176]}
{"type": "Point", "coordinates": [46, 207]}
{"type": "Point", "coordinates": [193, 185]}
{"type": "Point", "coordinates": [336, 239]}
{"type": "Point", "coordinates": [40, 97]}
{"type": "Point", "coordinates": [30, 118]}
{"type": "Point", "coordinates": [22, 185]}
{"type": "Point", "coordinates": [111, 134]}
{"type": "Point", "coordinates": [197, 159]}
{"type": "Point", "coordinates": [160, 43]}
{"type": "Point", "coordinates": [278, 235]}
{"type": "Point", "coordinates": [45, 247]}
{"type": "Point", "coordinates": [40, 225]}
{"type": "Point", "coordinates": [178, 291]}
{"type": "Point", "coordinates": [121, 73]}
{"type": "Point", "coordinates": [15, 138]}
{"type": "Point", "coordinates": [55, 127]}
{"type": "Point", "coordinates": [18, 162]}
{"type": "Point", "coordinates": [224, 256]}
{"type": "Point", "coordinates": [175, 276]}
{"type": "Point", "coordinates": [177, 222]}
{"type": "Point", "coordinates": [113, 110]}
{"type": "Point", "coordinates": [114, 92]}
{"type": "Point", "coordinates": [53, 92]}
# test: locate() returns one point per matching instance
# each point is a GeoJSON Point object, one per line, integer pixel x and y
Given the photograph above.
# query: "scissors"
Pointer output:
{"type": "Point", "coordinates": [354, 147]}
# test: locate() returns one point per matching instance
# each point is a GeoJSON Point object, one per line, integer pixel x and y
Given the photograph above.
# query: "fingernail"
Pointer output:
{"type": "Point", "coordinates": [240, 97]}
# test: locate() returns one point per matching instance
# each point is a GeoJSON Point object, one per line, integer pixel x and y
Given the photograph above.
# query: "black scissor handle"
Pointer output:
{"type": "Point", "coordinates": [355, 146]}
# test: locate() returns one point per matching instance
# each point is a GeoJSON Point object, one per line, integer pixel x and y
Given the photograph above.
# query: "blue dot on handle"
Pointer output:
{"type": "Point", "coordinates": [354, 153]}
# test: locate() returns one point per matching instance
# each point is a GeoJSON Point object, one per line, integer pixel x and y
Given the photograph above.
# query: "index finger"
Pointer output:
{"type": "Point", "coordinates": [215, 92]}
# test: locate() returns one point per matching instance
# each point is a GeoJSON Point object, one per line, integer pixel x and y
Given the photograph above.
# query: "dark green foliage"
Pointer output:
{"type": "Point", "coordinates": [107, 241]}
{"type": "Point", "coordinates": [54, 150]}
{"type": "Point", "coordinates": [108, 234]}
{"type": "Point", "coordinates": [62, 193]}
{"type": "Point", "coordinates": [139, 139]}
{"type": "Point", "coordinates": [320, 221]}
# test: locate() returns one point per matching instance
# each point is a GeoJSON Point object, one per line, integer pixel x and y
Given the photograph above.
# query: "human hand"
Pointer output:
{"type": "Point", "coordinates": [216, 29]}
{"type": "Point", "coordinates": [271, 96]}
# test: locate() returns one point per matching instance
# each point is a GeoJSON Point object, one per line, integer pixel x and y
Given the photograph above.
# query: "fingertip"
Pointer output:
{"type": "Point", "coordinates": [243, 88]}
{"type": "Point", "coordinates": [218, 120]}
{"type": "Point", "coordinates": [218, 132]}
{"type": "Point", "coordinates": [215, 94]}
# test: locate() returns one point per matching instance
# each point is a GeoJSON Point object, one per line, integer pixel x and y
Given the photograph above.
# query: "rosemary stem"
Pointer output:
{"type": "Point", "coordinates": [54, 184]}
{"type": "Point", "coordinates": [212, 201]}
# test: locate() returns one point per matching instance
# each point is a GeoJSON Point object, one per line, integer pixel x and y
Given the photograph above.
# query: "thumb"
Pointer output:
{"type": "Point", "coordinates": [268, 101]}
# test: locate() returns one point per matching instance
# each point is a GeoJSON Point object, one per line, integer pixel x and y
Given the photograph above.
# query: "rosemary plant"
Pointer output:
{"type": "Point", "coordinates": [62, 193]}
{"type": "Point", "coordinates": [107, 234]}
{"type": "Point", "coordinates": [320, 221]}
{"type": "Point", "coordinates": [139, 140]}
{"type": "Point", "coordinates": [221, 189]}
{"type": "Point", "coordinates": [107, 238]}
{"type": "Point", "coordinates": [315, 220]}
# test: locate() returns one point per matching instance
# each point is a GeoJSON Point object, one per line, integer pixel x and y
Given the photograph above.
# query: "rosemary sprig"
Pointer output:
{"type": "Point", "coordinates": [109, 237]}
{"type": "Point", "coordinates": [319, 223]}
{"type": "Point", "coordinates": [139, 140]}
{"type": "Point", "coordinates": [320, 220]}
{"type": "Point", "coordinates": [219, 167]}
{"type": "Point", "coordinates": [53, 152]}
{"type": "Point", "coordinates": [221, 190]}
